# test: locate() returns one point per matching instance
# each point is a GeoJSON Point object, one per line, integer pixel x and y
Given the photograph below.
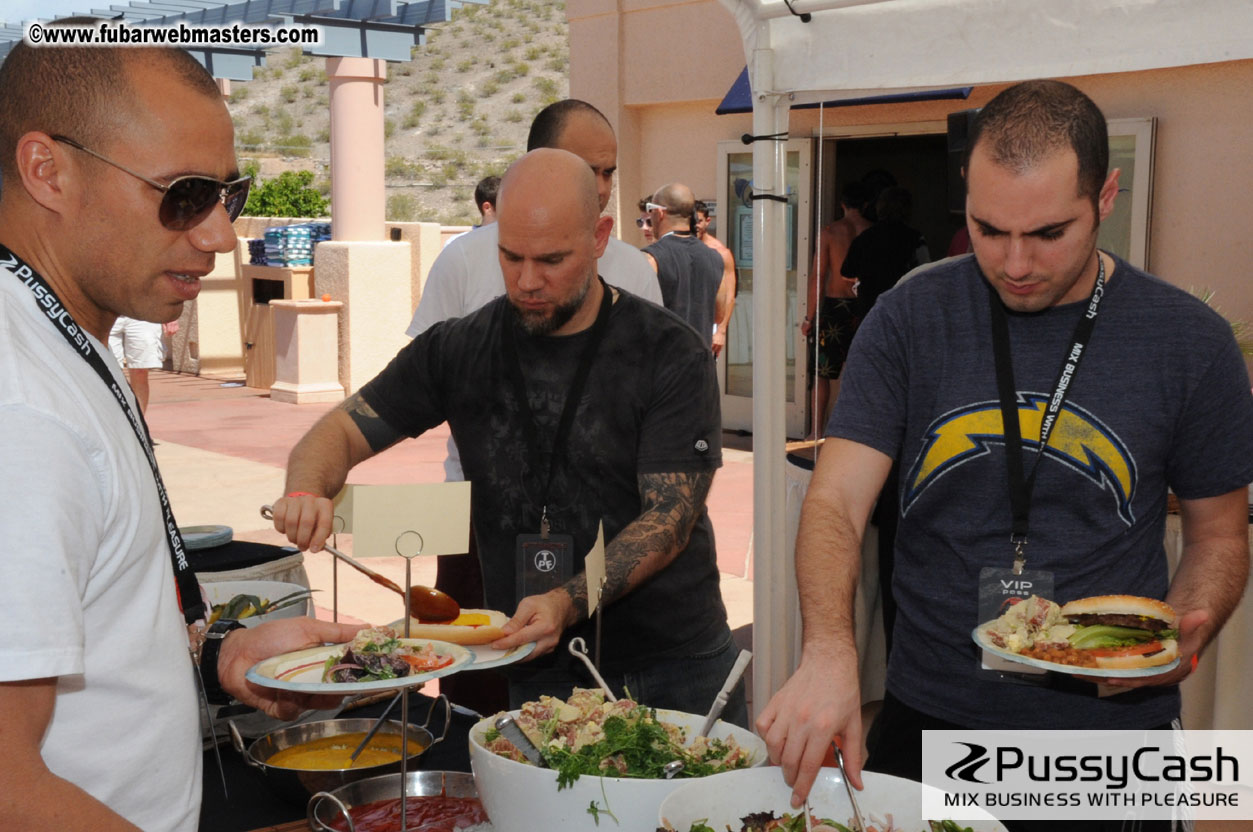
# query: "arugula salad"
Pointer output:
{"type": "Point", "coordinates": [587, 735]}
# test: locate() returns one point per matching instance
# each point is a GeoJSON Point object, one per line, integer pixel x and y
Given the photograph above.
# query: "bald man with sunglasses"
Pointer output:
{"type": "Point", "coordinates": [119, 188]}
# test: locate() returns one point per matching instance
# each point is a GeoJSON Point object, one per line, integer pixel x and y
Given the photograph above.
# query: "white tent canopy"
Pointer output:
{"type": "Point", "coordinates": [855, 48]}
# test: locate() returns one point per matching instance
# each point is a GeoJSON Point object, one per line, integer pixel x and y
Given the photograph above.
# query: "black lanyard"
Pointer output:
{"type": "Point", "coordinates": [513, 367]}
{"type": "Point", "coordinates": [184, 578]}
{"type": "Point", "coordinates": [1020, 486]}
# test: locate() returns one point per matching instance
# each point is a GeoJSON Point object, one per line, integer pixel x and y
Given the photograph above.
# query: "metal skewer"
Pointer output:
{"type": "Point", "coordinates": [352, 758]}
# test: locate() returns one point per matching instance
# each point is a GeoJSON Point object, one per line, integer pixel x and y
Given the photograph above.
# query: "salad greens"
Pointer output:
{"type": "Point", "coordinates": [642, 745]}
{"type": "Point", "coordinates": [1108, 635]}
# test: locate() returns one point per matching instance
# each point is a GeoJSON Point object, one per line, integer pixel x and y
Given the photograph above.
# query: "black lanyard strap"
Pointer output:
{"type": "Point", "coordinates": [184, 578]}
{"type": "Point", "coordinates": [1021, 485]}
{"type": "Point", "coordinates": [513, 366]}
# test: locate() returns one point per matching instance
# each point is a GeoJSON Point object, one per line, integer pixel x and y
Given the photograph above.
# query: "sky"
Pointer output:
{"type": "Point", "coordinates": [16, 11]}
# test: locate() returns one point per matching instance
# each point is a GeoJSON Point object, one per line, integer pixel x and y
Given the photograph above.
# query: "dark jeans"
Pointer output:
{"type": "Point", "coordinates": [895, 743]}
{"type": "Point", "coordinates": [685, 683]}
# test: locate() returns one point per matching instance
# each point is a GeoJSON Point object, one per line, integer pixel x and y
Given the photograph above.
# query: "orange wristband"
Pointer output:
{"type": "Point", "coordinates": [1193, 670]}
{"type": "Point", "coordinates": [301, 494]}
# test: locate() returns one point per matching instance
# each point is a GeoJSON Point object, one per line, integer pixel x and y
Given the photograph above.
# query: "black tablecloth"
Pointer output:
{"type": "Point", "coordinates": [253, 804]}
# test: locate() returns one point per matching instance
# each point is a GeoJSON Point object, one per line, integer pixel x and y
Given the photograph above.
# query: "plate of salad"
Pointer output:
{"type": "Point", "coordinates": [376, 659]}
{"type": "Point", "coordinates": [758, 800]}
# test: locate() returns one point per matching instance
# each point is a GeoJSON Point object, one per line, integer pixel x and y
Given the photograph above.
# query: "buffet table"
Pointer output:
{"type": "Point", "coordinates": [254, 807]}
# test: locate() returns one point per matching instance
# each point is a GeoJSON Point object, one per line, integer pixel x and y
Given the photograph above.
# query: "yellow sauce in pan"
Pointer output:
{"type": "Point", "coordinates": [330, 753]}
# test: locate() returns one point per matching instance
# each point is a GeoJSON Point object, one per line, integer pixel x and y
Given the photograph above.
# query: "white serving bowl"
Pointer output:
{"type": "Point", "coordinates": [725, 798]}
{"type": "Point", "coordinates": [523, 798]}
{"type": "Point", "coordinates": [220, 592]}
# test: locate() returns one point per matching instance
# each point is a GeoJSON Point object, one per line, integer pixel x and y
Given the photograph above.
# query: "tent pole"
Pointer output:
{"type": "Point", "coordinates": [773, 581]}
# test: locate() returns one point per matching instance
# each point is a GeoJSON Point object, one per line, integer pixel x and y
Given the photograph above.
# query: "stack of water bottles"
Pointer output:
{"type": "Point", "coordinates": [292, 245]}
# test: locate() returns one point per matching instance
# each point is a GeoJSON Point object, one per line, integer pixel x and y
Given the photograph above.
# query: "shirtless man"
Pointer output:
{"type": "Point", "coordinates": [838, 316]}
{"type": "Point", "coordinates": [728, 288]}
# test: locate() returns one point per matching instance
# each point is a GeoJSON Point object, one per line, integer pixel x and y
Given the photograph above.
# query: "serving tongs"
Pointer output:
{"type": "Point", "coordinates": [720, 701]}
{"type": "Point", "coordinates": [578, 649]}
{"type": "Point", "coordinates": [425, 603]}
{"type": "Point", "coordinates": [512, 731]}
{"type": "Point", "coordinates": [839, 762]}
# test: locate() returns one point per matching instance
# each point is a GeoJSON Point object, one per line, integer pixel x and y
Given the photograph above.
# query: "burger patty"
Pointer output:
{"type": "Point", "coordinates": [1117, 620]}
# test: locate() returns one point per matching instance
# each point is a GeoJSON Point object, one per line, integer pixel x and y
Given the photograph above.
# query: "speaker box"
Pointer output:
{"type": "Point", "coordinates": [959, 129]}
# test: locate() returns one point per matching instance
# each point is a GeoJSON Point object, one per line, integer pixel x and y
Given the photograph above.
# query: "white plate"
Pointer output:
{"type": "Point", "coordinates": [485, 657]}
{"type": "Point", "coordinates": [301, 671]}
{"type": "Point", "coordinates": [1109, 673]}
{"type": "Point", "coordinates": [722, 799]}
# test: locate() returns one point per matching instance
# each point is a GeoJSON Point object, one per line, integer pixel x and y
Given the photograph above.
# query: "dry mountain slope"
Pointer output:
{"type": "Point", "coordinates": [456, 112]}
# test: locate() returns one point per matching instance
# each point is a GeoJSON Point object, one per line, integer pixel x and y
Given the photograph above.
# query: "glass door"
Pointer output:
{"type": "Point", "coordinates": [735, 229]}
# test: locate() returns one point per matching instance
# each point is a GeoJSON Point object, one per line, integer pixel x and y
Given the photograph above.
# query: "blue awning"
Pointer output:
{"type": "Point", "coordinates": [739, 99]}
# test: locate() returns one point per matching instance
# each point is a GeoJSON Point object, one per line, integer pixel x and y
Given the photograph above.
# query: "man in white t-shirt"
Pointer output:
{"type": "Point", "coordinates": [119, 187]}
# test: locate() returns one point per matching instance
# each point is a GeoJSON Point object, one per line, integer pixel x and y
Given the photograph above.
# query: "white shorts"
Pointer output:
{"type": "Point", "coordinates": [137, 344]}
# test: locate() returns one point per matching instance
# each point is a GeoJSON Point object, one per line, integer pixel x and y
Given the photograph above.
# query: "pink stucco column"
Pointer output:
{"type": "Point", "coordinates": [357, 197]}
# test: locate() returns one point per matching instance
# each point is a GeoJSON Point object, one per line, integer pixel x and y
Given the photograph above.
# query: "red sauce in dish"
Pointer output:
{"type": "Point", "coordinates": [424, 814]}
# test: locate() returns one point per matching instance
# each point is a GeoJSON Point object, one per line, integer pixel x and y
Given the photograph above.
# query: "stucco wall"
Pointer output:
{"type": "Point", "coordinates": [660, 68]}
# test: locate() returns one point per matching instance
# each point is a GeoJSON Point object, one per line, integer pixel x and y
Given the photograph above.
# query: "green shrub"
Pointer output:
{"type": "Point", "coordinates": [288, 195]}
{"type": "Point", "coordinates": [533, 53]}
{"type": "Point", "coordinates": [402, 208]}
{"type": "Point", "coordinates": [294, 144]}
{"type": "Point", "coordinates": [545, 86]}
{"type": "Point", "coordinates": [488, 89]}
{"type": "Point", "coordinates": [517, 98]}
{"type": "Point", "coordinates": [389, 127]}
{"type": "Point", "coordinates": [514, 116]}
{"type": "Point", "coordinates": [249, 138]}
{"type": "Point", "coordinates": [398, 166]}
{"type": "Point", "coordinates": [521, 69]}
{"type": "Point", "coordinates": [310, 73]}
{"type": "Point", "coordinates": [239, 93]}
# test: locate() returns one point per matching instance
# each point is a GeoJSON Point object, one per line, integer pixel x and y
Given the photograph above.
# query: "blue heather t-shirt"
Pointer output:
{"type": "Point", "coordinates": [1161, 399]}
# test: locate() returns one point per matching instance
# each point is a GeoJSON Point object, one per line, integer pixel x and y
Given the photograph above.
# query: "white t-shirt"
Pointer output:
{"type": "Point", "coordinates": [86, 584]}
{"type": "Point", "coordinates": [467, 275]}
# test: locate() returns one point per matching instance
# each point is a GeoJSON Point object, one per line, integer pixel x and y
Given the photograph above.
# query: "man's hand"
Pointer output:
{"type": "Point", "coordinates": [720, 341]}
{"type": "Point", "coordinates": [305, 520]}
{"type": "Point", "coordinates": [244, 648]}
{"type": "Point", "coordinates": [821, 703]}
{"type": "Point", "coordinates": [807, 325]}
{"type": "Point", "coordinates": [539, 618]}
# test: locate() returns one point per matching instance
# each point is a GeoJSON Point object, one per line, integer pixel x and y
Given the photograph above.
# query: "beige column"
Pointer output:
{"type": "Point", "coordinates": [374, 282]}
{"type": "Point", "coordinates": [357, 197]}
{"type": "Point", "coordinates": [306, 351]}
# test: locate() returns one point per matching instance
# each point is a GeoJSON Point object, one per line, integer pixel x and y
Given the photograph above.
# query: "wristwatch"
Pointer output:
{"type": "Point", "coordinates": [213, 638]}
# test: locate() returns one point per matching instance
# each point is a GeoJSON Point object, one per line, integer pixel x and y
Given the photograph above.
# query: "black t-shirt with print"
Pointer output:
{"type": "Point", "coordinates": [651, 405]}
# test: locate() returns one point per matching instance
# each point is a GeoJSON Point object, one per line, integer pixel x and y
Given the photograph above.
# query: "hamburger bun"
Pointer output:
{"type": "Point", "coordinates": [1123, 605]}
{"type": "Point", "coordinates": [472, 627]}
{"type": "Point", "coordinates": [1169, 652]}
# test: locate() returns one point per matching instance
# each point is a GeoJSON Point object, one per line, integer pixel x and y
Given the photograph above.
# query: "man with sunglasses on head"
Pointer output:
{"type": "Point", "coordinates": [119, 186]}
{"type": "Point", "coordinates": [693, 284]}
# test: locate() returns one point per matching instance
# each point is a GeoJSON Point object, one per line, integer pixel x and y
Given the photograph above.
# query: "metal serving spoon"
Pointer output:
{"type": "Point", "coordinates": [425, 604]}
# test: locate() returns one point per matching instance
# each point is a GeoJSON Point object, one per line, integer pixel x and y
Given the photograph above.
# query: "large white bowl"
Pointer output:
{"type": "Point", "coordinates": [523, 798]}
{"type": "Point", "coordinates": [723, 799]}
{"type": "Point", "coordinates": [220, 592]}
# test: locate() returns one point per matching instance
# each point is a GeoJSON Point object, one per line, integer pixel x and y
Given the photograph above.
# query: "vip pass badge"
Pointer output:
{"type": "Point", "coordinates": [543, 561]}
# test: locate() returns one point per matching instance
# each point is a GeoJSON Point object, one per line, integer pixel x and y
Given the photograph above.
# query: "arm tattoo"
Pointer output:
{"type": "Point", "coordinates": [376, 431]}
{"type": "Point", "coordinates": [671, 505]}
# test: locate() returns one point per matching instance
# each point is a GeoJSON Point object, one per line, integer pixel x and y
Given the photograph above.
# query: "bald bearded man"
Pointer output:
{"type": "Point", "coordinates": [573, 404]}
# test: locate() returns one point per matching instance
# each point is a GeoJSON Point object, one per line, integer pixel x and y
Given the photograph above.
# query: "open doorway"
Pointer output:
{"type": "Point", "coordinates": [917, 162]}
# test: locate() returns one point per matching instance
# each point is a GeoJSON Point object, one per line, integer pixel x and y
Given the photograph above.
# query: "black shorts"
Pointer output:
{"type": "Point", "coordinates": [837, 323]}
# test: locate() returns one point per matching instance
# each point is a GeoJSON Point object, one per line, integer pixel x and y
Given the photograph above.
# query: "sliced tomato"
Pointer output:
{"type": "Point", "coordinates": [1130, 650]}
{"type": "Point", "coordinates": [422, 664]}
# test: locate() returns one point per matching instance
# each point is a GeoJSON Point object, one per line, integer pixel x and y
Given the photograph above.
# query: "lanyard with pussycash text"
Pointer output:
{"type": "Point", "coordinates": [1020, 484]}
{"type": "Point", "coordinates": [184, 578]}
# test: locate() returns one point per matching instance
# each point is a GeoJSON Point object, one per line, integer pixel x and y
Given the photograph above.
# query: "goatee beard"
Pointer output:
{"type": "Point", "coordinates": [539, 324]}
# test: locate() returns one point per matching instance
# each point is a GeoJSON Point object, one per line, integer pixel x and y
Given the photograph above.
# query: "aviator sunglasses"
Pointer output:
{"type": "Point", "coordinates": [188, 199]}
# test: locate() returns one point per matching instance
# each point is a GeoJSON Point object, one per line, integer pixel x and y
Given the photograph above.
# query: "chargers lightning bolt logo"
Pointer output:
{"type": "Point", "coordinates": [1079, 441]}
